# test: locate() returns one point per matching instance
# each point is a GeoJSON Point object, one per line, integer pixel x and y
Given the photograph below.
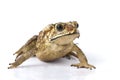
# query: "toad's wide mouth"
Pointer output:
{"type": "Point", "coordinates": [68, 34]}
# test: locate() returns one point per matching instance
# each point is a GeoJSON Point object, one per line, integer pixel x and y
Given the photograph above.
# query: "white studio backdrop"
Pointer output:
{"type": "Point", "coordinates": [99, 23]}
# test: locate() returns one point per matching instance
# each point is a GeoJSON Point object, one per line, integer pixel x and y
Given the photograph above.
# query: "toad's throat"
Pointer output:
{"type": "Point", "coordinates": [56, 37]}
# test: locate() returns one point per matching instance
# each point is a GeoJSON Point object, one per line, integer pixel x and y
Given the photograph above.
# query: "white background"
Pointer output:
{"type": "Point", "coordinates": [99, 22]}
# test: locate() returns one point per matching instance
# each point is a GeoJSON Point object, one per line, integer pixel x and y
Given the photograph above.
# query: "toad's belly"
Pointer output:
{"type": "Point", "coordinates": [50, 54]}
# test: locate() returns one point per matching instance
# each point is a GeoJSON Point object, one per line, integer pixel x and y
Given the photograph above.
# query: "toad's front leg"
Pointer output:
{"type": "Point", "coordinates": [82, 58]}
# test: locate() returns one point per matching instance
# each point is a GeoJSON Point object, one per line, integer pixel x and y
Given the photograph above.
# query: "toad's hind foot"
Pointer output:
{"type": "Point", "coordinates": [80, 65]}
{"type": "Point", "coordinates": [19, 60]}
{"type": "Point", "coordinates": [12, 65]}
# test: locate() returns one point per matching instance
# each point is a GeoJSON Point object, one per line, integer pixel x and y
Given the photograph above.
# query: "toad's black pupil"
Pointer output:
{"type": "Point", "coordinates": [59, 27]}
{"type": "Point", "coordinates": [77, 25]}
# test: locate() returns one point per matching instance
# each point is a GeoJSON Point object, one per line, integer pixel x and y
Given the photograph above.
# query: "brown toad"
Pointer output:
{"type": "Point", "coordinates": [53, 42]}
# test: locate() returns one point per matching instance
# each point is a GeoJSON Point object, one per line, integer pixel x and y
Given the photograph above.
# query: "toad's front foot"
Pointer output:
{"type": "Point", "coordinates": [82, 65]}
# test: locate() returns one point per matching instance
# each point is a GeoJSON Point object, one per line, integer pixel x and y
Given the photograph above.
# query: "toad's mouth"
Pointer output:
{"type": "Point", "coordinates": [67, 34]}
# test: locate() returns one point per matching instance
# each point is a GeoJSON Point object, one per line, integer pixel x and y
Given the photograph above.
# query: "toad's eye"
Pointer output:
{"type": "Point", "coordinates": [77, 25]}
{"type": "Point", "coordinates": [59, 27]}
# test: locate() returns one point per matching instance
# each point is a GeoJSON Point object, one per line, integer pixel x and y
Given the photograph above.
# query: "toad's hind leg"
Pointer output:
{"type": "Point", "coordinates": [28, 46]}
{"type": "Point", "coordinates": [25, 52]}
{"type": "Point", "coordinates": [19, 60]}
{"type": "Point", "coordinates": [68, 56]}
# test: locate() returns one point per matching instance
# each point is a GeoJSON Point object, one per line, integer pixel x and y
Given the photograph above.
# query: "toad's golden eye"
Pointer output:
{"type": "Point", "coordinates": [59, 27]}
